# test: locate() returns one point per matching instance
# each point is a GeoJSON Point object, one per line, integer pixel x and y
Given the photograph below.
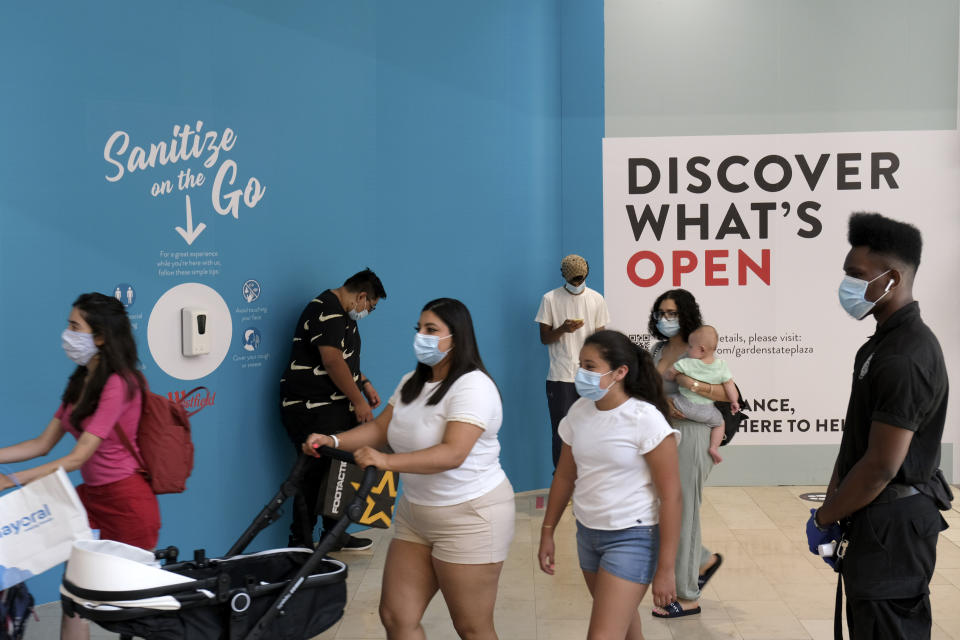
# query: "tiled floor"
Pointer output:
{"type": "Point", "coordinates": [769, 587]}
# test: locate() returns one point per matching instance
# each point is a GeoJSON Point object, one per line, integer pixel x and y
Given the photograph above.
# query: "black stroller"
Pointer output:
{"type": "Point", "coordinates": [279, 594]}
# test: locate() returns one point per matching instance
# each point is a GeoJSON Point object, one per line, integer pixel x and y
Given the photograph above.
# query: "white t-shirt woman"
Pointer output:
{"type": "Point", "coordinates": [613, 488]}
{"type": "Point", "coordinates": [455, 520]}
{"type": "Point", "coordinates": [472, 399]}
{"type": "Point", "coordinates": [619, 462]}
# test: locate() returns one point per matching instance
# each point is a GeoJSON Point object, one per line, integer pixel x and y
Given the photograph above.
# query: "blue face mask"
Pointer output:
{"type": "Point", "coordinates": [426, 349]}
{"type": "Point", "coordinates": [588, 384]}
{"type": "Point", "coordinates": [668, 328]}
{"type": "Point", "coordinates": [575, 290]}
{"type": "Point", "coordinates": [853, 295]}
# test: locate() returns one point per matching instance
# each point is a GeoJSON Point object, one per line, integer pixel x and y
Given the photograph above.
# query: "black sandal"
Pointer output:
{"type": "Point", "coordinates": [705, 578]}
{"type": "Point", "coordinates": [675, 610]}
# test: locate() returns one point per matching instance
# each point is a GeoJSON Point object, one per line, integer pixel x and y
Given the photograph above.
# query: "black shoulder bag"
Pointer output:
{"type": "Point", "coordinates": [731, 421]}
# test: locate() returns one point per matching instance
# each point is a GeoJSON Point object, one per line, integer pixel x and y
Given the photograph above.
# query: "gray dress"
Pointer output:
{"type": "Point", "coordinates": [695, 465]}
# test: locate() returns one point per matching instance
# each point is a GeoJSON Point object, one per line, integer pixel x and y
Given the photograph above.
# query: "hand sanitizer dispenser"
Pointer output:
{"type": "Point", "coordinates": [196, 332]}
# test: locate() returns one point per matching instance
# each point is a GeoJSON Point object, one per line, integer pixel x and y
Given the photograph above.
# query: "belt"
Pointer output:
{"type": "Point", "coordinates": [894, 492]}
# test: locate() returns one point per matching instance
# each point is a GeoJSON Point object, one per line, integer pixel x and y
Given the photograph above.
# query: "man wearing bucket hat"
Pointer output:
{"type": "Point", "coordinates": [567, 315]}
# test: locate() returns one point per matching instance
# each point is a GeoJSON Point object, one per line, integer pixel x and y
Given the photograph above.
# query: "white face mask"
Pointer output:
{"type": "Point", "coordinates": [78, 346]}
{"type": "Point", "coordinates": [853, 295]}
{"type": "Point", "coordinates": [576, 290]}
{"type": "Point", "coordinates": [358, 315]}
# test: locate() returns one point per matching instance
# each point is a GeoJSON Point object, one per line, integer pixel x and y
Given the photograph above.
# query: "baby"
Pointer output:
{"type": "Point", "coordinates": [702, 365]}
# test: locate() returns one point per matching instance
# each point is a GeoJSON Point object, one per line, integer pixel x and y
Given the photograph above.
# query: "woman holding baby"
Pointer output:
{"type": "Point", "coordinates": [674, 317]}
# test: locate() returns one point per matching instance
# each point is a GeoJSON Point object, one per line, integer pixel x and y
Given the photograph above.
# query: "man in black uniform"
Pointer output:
{"type": "Point", "coordinates": [886, 484]}
{"type": "Point", "coordinates": [323, 389]}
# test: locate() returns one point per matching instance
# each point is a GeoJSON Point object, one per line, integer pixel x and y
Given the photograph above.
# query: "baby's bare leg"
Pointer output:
{"type": "Point", "coordinates": [716, 437]}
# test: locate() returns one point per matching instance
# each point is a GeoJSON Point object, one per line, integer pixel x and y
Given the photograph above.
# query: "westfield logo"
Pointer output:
{"type": "Point", "coordinates": [193, 401]}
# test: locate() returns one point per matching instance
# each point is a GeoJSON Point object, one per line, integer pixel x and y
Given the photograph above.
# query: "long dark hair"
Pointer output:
{"type": "Point", "coordinates": [642, 380]}
{"type": "Point", "coordinates": [464, 356]}
{"type": "Point", "coordinates": [118, 354]}
{"type": "Point", "coordinates": [688, 313]}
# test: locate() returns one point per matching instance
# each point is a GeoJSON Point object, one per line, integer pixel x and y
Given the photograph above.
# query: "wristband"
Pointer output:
{"type": "Point", "coordinates": [819, 527]}
{"type": "Point", "coordinates": [336, 441]}
{"type": "Point", "coordinates": [13, 479]}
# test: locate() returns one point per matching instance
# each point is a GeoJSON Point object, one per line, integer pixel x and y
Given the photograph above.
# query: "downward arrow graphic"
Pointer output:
{"type": "Point", "coordinates": [190, 234]}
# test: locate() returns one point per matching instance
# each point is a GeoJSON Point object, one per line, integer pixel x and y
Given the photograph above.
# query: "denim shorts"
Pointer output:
{"type": "Point", "coordinates": [630, 554]}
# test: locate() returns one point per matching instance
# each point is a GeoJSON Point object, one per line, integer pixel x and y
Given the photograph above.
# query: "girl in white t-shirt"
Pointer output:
{"type": "Point", "coordinates": [454, 522]}
{"type": "Point", "coordinates": [619, 461]}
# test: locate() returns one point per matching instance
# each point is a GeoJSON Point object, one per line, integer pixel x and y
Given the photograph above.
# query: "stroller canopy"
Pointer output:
{"type": "Point", "coordinates": [108, 566]}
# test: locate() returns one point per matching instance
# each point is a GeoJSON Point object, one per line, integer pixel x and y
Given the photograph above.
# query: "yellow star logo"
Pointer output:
{"type": "Point", "coordinates": [379, 502]}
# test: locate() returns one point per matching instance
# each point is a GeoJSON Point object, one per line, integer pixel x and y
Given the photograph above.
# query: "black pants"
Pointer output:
{"type": "Point", "coordinates": [898, 619]}
{"type": "Point", "coordinates": [560, 397]}
{"type": "Point", "coordinates": [300, 422]}
{"type": "Point", "coordinates": [888, 566]}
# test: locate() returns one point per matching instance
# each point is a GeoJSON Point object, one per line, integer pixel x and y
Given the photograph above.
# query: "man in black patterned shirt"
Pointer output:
{"type": "Point", "coordinates": [323, 389]}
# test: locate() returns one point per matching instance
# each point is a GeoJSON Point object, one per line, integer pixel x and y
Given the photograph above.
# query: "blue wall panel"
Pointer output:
{"type": "Point", "coordinates": [582, 121]}
{"type": "Point", "coordinates": [423, 141]}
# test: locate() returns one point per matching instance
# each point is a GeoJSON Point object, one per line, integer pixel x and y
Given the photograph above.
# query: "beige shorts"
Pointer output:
{"type": "Point", "coordinates": [477, 531]}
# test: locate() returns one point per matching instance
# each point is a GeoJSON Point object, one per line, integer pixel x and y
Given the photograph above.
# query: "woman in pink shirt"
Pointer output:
{"type": "Point", "coordinates": [103, 393]}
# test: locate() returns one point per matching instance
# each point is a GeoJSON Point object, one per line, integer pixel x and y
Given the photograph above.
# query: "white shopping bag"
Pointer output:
{"type": "Point", "coordinates": [38, 524]}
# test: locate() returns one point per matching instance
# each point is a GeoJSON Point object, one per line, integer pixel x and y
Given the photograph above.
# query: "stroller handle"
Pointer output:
{"type": "Point", "coordinates": [291, 486]}
{"type": "Point", "coordinates": [354, 512]}
{"type": "Point", "coordinates": [337, 454]}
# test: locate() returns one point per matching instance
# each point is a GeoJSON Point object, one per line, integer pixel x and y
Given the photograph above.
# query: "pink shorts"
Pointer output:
{"type": "Point", "coordinates": [125, 511]}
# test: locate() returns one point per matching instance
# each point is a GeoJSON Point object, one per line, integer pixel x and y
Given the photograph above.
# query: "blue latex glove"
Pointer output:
{"type": "Point", "coordinates": [816, 537]}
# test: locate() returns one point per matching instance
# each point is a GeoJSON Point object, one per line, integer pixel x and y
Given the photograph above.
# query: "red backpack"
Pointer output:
{"type": "Point", "coordinates": [163, 438]}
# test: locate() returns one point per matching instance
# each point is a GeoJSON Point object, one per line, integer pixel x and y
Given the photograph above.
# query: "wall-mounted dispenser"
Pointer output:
{"type": "Point", "coordinates": [195, 331]}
